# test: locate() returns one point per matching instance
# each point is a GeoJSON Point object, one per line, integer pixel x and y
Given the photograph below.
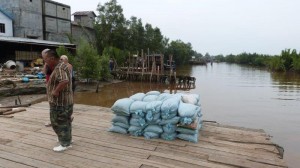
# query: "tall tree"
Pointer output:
{"type": "Point", "coordinates": [110, 26]}
{"type": "Point", "coordinates": [153, 39]}
{"type": "Point", "coordinates": [136, 38]}
{"type": "Point", "coordinates": [181, 51]}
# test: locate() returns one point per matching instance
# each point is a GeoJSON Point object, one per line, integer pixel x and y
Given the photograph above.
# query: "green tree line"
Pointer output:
{"type": "Point", "coordinates": [113, 30]}
{"type": "Point", "coordinates": [288, 60]}
{"type": "Point", "coordinates": [117, 38]}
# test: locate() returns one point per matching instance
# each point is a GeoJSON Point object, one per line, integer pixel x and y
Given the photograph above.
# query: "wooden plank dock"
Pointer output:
{"type": "Point", "coordinates": [26, 142]}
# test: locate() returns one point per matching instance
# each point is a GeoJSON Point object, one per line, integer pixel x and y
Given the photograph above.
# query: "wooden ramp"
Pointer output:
{"type": "Point", "coordinates": [26, 142]}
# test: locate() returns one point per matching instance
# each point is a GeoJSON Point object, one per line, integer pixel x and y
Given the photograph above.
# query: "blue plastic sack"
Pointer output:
{"type": "Point", "coordinates": [153, 93]}
{"type": "Point", "coordinates": [169, 136]}
{"type": "Point", "coordinates": [169, 128]}
{"type": "Point", "coordinates": [121, 119]}
{"type": "Point", "coordinates": [25, 79]}
{"type": "Point", "coordinates": [118, 129]}
{"type": "Point", "coordinates": [154, 128]}
{"type": "Point", "coordinates": [188, 110]}
{"type": "Point", "coordinates": [151, 135]}
{"type": "Point", "coordinates": [150, 98]}
{"type": "Point", "coordinates": [188, 137]}
{"type": "Point", "coordinates": [138, 107]}
{"type": "Point", "coordinates": [164, 96]}
{"type": "Point", "coordinates": [122, 106]}
{"type": "Point", "coordinates": [170, 106]}
{"type": "Point", "coordinates": [153, 106]}
{"type": "Point", "coordinates": [138, 96]}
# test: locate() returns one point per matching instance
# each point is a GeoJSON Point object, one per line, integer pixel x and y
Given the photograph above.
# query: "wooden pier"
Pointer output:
{"type": "Point", "coordinates": [151, 68]}
{"type": "Point", "coordinates": [26, 142]}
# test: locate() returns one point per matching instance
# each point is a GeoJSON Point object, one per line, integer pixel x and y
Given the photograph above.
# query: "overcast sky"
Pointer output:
{"type": "Point", "coordinates": [216, 26]}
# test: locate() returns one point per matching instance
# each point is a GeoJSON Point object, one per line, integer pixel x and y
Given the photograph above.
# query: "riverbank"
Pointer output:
{"type": "Point", "coordinates": [38, 93]}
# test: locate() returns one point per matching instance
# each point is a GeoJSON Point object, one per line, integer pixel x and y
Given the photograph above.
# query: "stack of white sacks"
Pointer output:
{"type": "Point", "coordinates": [158, 115]}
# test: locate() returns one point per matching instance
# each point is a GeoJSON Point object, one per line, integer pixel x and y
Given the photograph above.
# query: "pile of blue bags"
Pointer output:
{"type": "Point", "coordinates": [158, 115]}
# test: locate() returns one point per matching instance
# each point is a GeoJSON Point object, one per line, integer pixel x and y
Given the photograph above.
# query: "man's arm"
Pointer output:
{"type": "Point", "coordinates": [60, 87]}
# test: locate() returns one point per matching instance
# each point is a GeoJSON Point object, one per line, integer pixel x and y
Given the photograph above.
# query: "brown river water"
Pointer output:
{"type": "Point", "coordinates": [234, 95]}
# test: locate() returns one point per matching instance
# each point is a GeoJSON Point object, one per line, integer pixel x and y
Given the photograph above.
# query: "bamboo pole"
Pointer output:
{"type": "Point", "coordinates": [14, 110]}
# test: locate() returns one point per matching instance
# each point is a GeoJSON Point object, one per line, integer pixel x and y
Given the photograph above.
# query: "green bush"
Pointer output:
{"type": "Point", "coordinates": [296, 63]}
{"type": "Point", "coordinates": [276, 64]}
{"type": "Point", "coordinates": [88, 61]}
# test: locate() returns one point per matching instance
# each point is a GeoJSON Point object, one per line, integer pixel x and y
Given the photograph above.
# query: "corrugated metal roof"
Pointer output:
{"type": "Point", "coordinates": [83, 13]}
{"type": "Point", "coordinates": [34, 41]}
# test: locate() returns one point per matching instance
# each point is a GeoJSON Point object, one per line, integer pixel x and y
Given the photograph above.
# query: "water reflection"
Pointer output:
{"type": "Point", "coordinates": [110, 93]}
{"type": "Point", "coordinates": [286, 82]}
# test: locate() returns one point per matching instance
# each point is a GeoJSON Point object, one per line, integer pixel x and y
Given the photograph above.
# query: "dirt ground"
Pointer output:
{"type": "Point", "coordinates": [36, 98]}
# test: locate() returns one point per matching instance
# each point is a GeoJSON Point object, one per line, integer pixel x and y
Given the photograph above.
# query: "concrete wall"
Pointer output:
{"type": "Point", "coordinates": [86, 33]}
{"type": "Point", "coordinates": [57, 10]}
{"type": "Point", "coordinates": [87, 20]}
{"type": "Point", "coordinates": [28, 20]}
{"type": "Point", "coordinates": [8, 25]}
{"type": "Point", "coordinates": [57, 21]}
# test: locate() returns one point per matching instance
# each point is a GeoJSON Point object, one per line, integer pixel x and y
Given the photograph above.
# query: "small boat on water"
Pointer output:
{"type": "Point", "coordinates": [198, 61]}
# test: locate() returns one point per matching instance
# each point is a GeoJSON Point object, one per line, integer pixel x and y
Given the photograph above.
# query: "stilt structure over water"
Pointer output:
{"type": "Point", "coordinates": [25, 142]}
{"type": "Point", "coordinates": [151, 68]}
{"type": "Point", "coordinates": [143, 67]}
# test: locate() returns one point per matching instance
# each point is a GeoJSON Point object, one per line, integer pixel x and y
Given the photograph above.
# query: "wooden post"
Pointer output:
{"type": "Point", "coordinates": [128, 66]}
{"type": "Point", "coordinates": [171, 68]}
{"type": "Point", "coordinates": [148, 60]}
{"type": "Point", "coordinates": [162, 64]}
{"type": "Point", "coordinates": [157, 78]}
{"type": "Point", "coordinates": [143, 62]}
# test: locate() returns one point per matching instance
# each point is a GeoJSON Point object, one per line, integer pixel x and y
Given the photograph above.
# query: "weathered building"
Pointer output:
{"type": "Point", "coordinates": [35, 25]}
{"type": "Point", "coordinates": [5, 24]}
{"type": "Point", "coordinates": [29, 26]}
{"type": "Point", "coordinates": [27, 17]}
{"type": "Point", "coordinates": [39, 19]}
{"type": "Point", "coordinates": [83, 26]}
{"type": "Point", "coordinates": [57, 21]}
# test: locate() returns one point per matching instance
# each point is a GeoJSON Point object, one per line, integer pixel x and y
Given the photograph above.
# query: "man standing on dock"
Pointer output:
{"type": "Point", "coordinates": [60, 97]}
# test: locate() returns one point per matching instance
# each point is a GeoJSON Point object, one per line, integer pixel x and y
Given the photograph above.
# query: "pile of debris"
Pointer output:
{"type": "Point", "coordinates": [7, 111]}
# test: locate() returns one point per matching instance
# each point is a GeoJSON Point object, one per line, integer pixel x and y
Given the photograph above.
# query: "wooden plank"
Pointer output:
{"type": "Point", "coordinates": [6, 116]}
{"type": "Point", "coordinates": [24, 159]}
{"type": "Point", "coordinates": [122, 148]}
{"type": "Point", "coordinates": [174, 162]}
{"type": "Point", "coordinates": [4, 110]}
{"type": "Point", "coordinates": [238, 162]}
{"type": "Point", "coordinates": [236, 137]}
{"type": "Point", "coordinates": [262, 147]}
{"type": "Point", "coordinates": [93, 153]}
{"type": "Point", "coordinates": [235, 150]}
{"type": "Point", "coordinates": [147, 166]}
{"type": "Point", "coordinates": [11, 164]}
{"type": "Point", "coordinates": [266, 149]}
{"type": "Point", "coordinates": [49, 157]}
{"type": "Point", "coordinates": [233, 127]}
{"type": "Point", "coordinates": [14, 110]}
{"type": "Point", "coordinates": [4, 141]}
{"type": "Point", "coordinates": [219, 145]}
{"type": "Point", "coordinates": [231, 130]}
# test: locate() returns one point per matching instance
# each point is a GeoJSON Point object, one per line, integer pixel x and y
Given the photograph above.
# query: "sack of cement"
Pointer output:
{"type": "Point", "coordinates": [122, 106]}
{"type": "Point", "coordinates": [138, 96]}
